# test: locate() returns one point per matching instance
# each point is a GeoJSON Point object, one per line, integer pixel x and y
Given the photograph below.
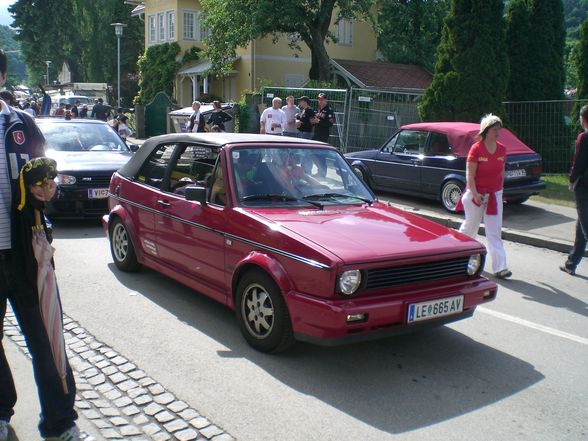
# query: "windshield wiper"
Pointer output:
{"type": "Point", "coordinates": [281, 197]}
{"type": "Point", "coordinates": [337, 195]}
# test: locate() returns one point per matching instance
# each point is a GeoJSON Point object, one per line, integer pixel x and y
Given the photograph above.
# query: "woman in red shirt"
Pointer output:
{"type": "Point", "coordinates": [483, 196]}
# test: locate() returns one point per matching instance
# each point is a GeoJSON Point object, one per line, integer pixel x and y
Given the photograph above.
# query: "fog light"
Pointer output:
{"type": "Point", "coordinates": [355, 318]}
{"type": "Point", "coordinates": [488, 294]}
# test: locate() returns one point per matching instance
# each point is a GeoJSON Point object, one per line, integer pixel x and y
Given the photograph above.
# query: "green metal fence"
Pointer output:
{"type": "Point", "coordinates": [337, 99]}
{"type": "Point", "coordinates": [365, 118]}
{"type": "Point", "coordinates": [548, 127]}
{"type": "Point", "coordinates": [374, 115]}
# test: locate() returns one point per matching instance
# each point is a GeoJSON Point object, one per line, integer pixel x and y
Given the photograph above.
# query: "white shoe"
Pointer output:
{"type": "Point", "coordinates": [3, 430]}
{"type": "Point", "coordinates": [71, 434]}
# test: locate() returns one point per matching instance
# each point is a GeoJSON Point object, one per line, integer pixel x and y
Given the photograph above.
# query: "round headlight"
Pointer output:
{"type": "Point", "coordinates": [65, 179]}
{"type": "Point", "coordinates": [474, 264]}
{"type": "Point", "coordinates": [349, 281]}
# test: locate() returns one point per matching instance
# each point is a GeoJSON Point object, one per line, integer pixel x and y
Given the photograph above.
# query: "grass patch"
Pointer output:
{"type": "Point", "coordinates": [556, 191]}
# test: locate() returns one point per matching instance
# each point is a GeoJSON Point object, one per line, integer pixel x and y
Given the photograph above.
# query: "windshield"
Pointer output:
{"type": "Point", "coordinates": [81, 137]}
{"type": "Point", "coordinates": [294, 176]}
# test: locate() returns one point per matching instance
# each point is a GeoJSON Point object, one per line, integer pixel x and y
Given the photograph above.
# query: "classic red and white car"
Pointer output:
{"type": "Point", "coordinates": [283, 231]}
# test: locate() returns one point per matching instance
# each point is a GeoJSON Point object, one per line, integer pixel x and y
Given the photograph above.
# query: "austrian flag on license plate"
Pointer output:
{"type": "Point", "coordinates": [434, 309]}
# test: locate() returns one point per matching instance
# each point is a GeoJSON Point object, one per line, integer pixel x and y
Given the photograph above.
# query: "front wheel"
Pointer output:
{"type": "Point", "coordinates": [451, 193]}
{"type": "Point", "coordinates": [121, 247]}
{"type": "Point", "coordinates": [262, 313]}
{"type": "Point", "coordinates": [361, 174]}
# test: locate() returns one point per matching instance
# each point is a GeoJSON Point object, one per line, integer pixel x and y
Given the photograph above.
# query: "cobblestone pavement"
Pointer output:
{"type": "Point", "coordinates": [120, 399]}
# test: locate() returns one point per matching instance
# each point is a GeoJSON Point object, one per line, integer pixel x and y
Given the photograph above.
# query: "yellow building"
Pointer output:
{"type": "Point", "coordinates": [263, 61]}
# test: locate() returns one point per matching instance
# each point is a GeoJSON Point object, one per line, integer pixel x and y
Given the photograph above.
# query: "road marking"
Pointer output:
{"type": "Point", "coordinates": [546, 329]}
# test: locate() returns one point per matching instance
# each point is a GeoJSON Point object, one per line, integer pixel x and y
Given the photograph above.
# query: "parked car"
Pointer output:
{"type": "Point", "coordinates": [429, 160]}
{"type": "Point", "coordinates": [87, 153]}
{"type": "Point", "coordinates": [282, 231]}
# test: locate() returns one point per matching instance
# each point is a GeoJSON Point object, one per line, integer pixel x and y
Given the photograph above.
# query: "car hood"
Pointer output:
{"type": "Point", "coordinates": [364, 234]}
{"type": "Point", "coordinates": [89, 161]}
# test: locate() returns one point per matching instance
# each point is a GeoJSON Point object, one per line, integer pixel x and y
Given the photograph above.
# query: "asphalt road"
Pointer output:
{"type": "Point", "coordinates": [515, 371]}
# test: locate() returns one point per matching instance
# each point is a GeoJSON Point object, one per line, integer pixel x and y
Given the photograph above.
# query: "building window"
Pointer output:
{"type": "Point", "coordinates": [193, 27]}
{"type": "Point", "coordinates": [161, 26]}
{"type": "Point", "coordinates": [189, 25]}
{"type": "Point", "coordinates": [345, 32]}
{"type": "Point", "coordinates": [152, 29]}
{"type": "Point", "coordinates": [171, 25]}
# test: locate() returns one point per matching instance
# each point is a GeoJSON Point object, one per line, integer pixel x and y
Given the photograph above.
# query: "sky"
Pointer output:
{"type": "Point", "coordinates": [5, 18]}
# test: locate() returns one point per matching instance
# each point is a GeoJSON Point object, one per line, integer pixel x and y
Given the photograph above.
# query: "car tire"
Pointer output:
{"type": "Point", "coordinates": [262, 313]}
{"type": "Point", "coordinates": [451, 193]}
{"type": "Point", "coordinates": [121, 247]}
{"type": "Point", "coordinates": [361, 174]}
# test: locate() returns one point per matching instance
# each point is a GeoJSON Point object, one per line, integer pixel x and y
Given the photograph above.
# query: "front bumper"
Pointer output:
{"type": "Point", "coordinates": [521, 190]}
{"type": "Point", "coordinates": [324, 322]}
{"type": "Point", "coordinates": [74, 203]}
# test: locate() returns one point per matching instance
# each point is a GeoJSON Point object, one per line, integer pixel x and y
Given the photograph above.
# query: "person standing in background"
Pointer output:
{"type": "Point", "coordinates": [578, 183]}
{"type": "Point", "coordinates": [196, 122]}
{"type": "Point", "coordinates": [273, 119]}
{"type": "Point", "coordinates": [218, 117]}
{"type": "Point", "coordinates": [323, 119]}
{"type": "Point", "coordinates": [304, 118]}
{"type": "Point", "coordinates": [291, 110]}
{"type": "Point", "coordinates": [483, 195]}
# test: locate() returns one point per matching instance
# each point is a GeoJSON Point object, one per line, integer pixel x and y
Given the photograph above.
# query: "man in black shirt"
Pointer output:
{"type": "Point", "coordinates": [304, 118]}
{"type": "Point", "coordinates": [100, 111]}
{"type": "Point", "coordinates": [323, 120]}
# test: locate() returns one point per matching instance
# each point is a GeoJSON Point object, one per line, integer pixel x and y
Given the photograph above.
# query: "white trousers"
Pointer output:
{"type": "Point", "coordinates": [492, 224]}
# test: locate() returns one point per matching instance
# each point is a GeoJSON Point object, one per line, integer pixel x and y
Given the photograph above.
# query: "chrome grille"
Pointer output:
{"type": "Point", "coordinates": [417, 273]}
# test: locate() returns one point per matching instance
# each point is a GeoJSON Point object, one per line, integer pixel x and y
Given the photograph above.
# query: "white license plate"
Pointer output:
{"type": "Point", "coordinates": [515, 173]}
{"type": "Point", "coordinates": [434, 309]}
{"type": "Point", "coordinates": [97, 193]}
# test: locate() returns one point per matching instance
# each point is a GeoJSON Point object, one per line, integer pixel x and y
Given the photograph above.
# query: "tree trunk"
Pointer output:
{"type": "Point", "coordinates": [320, 68]}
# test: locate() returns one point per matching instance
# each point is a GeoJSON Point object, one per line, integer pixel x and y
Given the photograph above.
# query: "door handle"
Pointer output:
{"type": "Point", "coordinates": [163, 203]}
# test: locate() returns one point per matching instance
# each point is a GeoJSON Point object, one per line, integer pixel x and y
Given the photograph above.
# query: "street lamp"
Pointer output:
{"type": "Point", "coordinates": [48, 62]}
{"type": "Point", "coordinates": [118, 30]}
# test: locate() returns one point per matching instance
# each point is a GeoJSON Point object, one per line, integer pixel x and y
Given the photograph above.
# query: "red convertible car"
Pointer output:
{"type": "Point", "coordinates": [283, 231]}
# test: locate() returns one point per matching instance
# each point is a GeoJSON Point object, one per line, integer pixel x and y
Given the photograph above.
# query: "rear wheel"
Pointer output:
{"type": "Point", "coordinates": [121, 247]}
{"type": "Point", "coordinates": [451, 193]}
{"type": "Point", "coordinates": [262, 313]}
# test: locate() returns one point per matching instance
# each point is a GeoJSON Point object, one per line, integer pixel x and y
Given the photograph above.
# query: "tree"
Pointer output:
{"type": "Point", "coordinates": [518, 40]}
{"type": "Point", "coordinates": [581, 58]}
{"type": "Point", "coordinates": [546, 51]}
{"type": "Point", "coordinates": [78, 32]}
{"type": "Point", "coordinates": [16, 69]}
{"type": "Point", "coordinates": [409, 31]}
{"type": "Point", "coordinates": [471, 71]}
{"type": "Point", "coordinates": [234, 23]}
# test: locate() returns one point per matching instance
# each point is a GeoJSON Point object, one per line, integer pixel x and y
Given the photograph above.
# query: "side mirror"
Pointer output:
{"type": "Point", "coordinates": [196, 193]}
{"type": "Point", "coordinates": [134, 147]}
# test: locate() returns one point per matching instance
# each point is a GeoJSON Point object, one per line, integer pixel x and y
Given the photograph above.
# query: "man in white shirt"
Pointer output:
{"type": "Point", "coordinates": [273, 119]}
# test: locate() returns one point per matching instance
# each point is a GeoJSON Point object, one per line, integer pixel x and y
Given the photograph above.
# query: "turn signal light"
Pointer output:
{"type": "Point", "coordinates": [356, 318]}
